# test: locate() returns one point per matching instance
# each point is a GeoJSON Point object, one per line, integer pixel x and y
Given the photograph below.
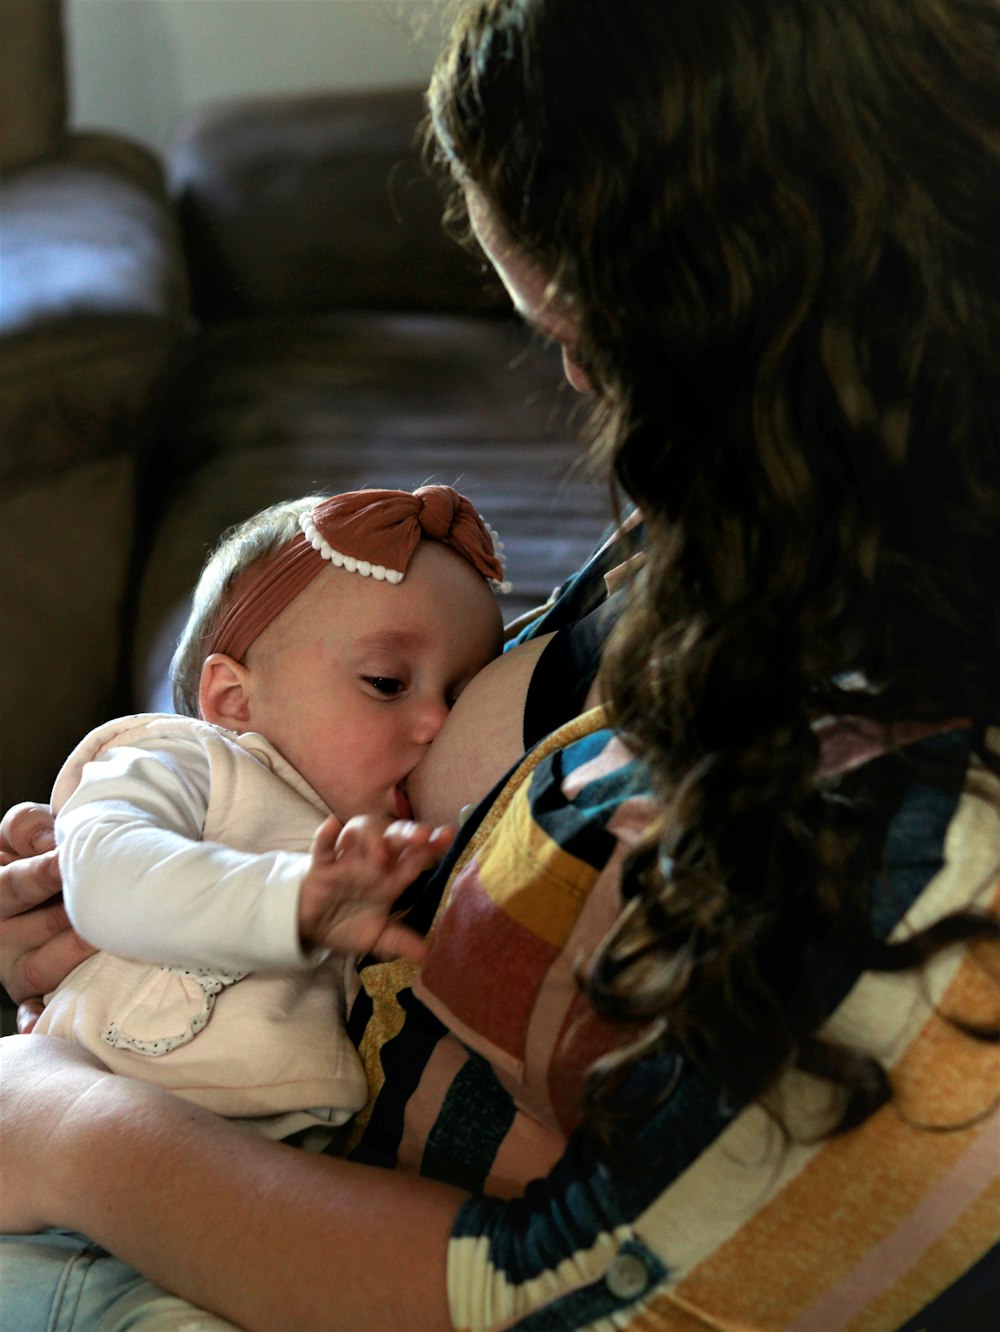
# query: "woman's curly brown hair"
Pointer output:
{"type": "Point", "coordinates": [779, 224]}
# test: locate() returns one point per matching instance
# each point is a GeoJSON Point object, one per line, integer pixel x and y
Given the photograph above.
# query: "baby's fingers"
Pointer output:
{"type": "Point", "coordinates": [386, 845]}
{"type": "Point", "coordinates": [425, 839]}
{"type": "Point", "coordinates": [398, 940]}
{"type": "Point", "coordinates": [324, 846]}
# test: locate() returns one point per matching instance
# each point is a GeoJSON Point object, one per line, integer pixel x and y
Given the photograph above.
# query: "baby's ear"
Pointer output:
{"type": "Point", "coordinates": [224, 693]}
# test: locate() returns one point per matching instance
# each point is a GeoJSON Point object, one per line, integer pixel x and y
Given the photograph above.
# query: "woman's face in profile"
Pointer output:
{"type": "Point", "coordinates": [527, 286]}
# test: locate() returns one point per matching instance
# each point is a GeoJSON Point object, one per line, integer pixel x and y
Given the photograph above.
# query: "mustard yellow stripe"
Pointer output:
{"type": "Point", "coordinates": [976, 1231]}
{"type": "Point", "coordinates": [531, 878]}
{"type": "Point", "coordinates": [586, 724]}
{"type": "Point", "coordinates": [666, 1313]}
{"type": "Point", "coordinates": [382, 982]}
{"type": "Point", "coordinates": [888, 1264]}
{"type": "Point", "coordinates": [771, 1273]}
{"type": "Point", "coordinates": [857, 1188]}
{"type": "Point", "coordinates": [719, 1220]}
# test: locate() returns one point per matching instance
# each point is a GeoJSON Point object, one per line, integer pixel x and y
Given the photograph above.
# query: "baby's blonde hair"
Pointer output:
{"type": "Point", "coordinates": [238, 548]}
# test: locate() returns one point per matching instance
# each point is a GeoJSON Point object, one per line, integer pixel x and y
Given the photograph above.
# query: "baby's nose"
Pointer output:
{"type": "Point", "coordinates": [429, 718]}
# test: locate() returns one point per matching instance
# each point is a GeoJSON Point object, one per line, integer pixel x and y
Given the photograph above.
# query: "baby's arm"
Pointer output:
{"type": "Point", "coordinates": [357, 872]}
{"type": "Point", "coordinates": [139, 882]}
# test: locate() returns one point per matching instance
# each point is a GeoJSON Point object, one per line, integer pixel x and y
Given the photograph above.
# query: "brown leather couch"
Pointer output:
{"type": "Point", "coordinates": [339, 338]}
{"type": "Point", "coordinates": [93, 305]}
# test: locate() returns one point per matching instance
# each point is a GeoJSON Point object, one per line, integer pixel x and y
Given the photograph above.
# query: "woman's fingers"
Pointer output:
{"type": "Point", "coordinates": [38, 946]}
{"type": "Point", "coordinates": [25, 830]}
{"type": "Point", "coordinates": [42, 968]}
{"type": "Point", "coordinates": [27, 1015]}
{"type": "Point", "coordinates": [26, 884]}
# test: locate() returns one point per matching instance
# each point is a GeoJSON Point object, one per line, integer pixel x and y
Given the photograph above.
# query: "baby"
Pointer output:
{"type": "Point", "coordinates": [244, 847]}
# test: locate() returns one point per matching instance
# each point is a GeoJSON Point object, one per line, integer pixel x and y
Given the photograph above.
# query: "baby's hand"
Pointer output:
{"type": "Point", "coordinates": [357, 873]}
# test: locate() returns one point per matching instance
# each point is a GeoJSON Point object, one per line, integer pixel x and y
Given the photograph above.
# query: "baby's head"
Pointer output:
{"type": "Point", "coordinates": [342, 630]}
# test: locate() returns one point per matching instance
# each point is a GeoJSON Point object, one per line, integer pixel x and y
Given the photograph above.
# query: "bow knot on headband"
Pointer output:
{"type": "Point", "coordinates": [372, 533]}
{"type": "Point", "coordinates": [375, 532]}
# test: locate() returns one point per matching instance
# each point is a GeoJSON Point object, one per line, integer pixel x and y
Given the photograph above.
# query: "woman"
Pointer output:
{"type": "Point", "coordinates": [710, 1027]}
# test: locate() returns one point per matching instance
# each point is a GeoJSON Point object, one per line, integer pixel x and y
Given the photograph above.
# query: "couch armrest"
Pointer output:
{"type": "Point", "coordinates": [92, 301]}
{"type": "Point", "coordinates": [93, 306]}
{"type": "Point", "coordinates": [308, 204]}
{"type": "Point", "coordinates": [32, 81]}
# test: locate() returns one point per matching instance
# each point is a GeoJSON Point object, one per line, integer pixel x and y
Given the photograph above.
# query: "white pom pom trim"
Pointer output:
{"type": "Point", "coordinates": [379, 571]}
{"type": "Point", "coordinates": [363, 567]}
{"type": "Point", "coordinates": [503, 586]}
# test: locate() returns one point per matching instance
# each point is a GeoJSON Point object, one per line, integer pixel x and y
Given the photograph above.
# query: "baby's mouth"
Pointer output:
{"type": "Point", "coordinates": [404, 809]}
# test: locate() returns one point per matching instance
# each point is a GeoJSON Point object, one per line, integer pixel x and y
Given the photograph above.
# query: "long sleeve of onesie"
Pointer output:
{"type": "Point", "coordinates": [140, 882]}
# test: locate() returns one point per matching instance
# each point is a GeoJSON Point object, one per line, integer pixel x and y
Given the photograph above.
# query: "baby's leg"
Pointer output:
{"type": "Point", "coordinates": [60, 1282]}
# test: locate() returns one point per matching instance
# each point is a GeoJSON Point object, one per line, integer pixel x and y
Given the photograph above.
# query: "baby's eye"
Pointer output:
{"type": "Point", "coordinates": [385, 684]}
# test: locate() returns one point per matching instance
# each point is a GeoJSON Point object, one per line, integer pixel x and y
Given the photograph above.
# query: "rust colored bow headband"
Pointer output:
{"type": "Point", "coordinates": [372, 533]}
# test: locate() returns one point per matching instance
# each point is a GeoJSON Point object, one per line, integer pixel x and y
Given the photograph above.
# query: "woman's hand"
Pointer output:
{"type": "Point", "coordinates": [41, 1081]}
{"type": "Point", "coordinates": [38, 946]}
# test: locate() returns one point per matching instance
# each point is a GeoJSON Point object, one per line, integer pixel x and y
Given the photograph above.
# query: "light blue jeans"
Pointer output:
{"type": "Point", "coordinates": [61, 1282]}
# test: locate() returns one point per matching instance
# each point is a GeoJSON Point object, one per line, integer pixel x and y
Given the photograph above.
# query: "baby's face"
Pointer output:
{"type": "Point", "coordinates": [353, 680]}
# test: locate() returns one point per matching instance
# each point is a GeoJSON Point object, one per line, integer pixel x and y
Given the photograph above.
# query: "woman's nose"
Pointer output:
{"type": "Point", "coordinates": [575, 373]}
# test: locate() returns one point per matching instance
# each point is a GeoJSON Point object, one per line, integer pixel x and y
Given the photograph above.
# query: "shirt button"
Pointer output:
{"type": "Point", "coordinates": [627, 1276]}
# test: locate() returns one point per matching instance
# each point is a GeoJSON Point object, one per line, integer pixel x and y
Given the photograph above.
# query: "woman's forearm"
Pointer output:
{"type": "Point", "coordinates": [265, 1235]}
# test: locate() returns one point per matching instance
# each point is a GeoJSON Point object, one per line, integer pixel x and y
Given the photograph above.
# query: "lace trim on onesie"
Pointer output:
{"type": "Point", "coordinates": [170, 997]}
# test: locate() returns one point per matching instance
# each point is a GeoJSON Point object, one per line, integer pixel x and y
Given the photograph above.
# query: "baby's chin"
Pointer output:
{"type": "Point", "coordinates": [390, 806]}
{"type": "Point", "coordinates": [401, 799]}
{"type": "Point", "coordinates": [418, 792]}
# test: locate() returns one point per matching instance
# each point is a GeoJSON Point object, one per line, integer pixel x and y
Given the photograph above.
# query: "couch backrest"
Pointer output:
{"type": "Point", "coordinates": [302, 204]}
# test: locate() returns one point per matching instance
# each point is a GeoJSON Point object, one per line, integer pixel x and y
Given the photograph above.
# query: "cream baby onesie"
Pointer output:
{"type": "Point", "coordinates": [182, 848]}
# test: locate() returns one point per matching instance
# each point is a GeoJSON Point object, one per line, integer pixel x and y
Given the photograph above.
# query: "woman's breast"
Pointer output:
{"type": "Point", "coordinates": [482, 737]}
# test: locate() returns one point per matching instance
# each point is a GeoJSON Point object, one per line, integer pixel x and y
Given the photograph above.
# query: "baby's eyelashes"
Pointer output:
{"type": "Point", "coordinates": [386, 685]}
